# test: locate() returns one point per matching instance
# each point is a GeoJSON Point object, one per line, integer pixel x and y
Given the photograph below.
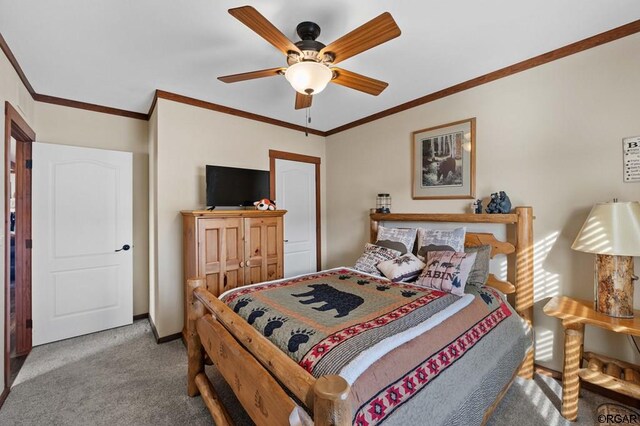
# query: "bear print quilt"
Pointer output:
{"type": "Point", "coordinates": [340, 321]}
{"type": "Point", "coordinates": [409, 353]}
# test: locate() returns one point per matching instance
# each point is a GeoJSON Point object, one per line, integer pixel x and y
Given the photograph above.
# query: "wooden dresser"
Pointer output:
{"type": "Point", "coordinates": [232, 248]}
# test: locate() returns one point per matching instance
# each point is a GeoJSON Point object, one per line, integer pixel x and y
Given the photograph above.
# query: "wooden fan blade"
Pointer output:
{"type": "Point", "coordinates": [375, 32]}
{"type": "Point", "coordinates": [303, 101]}
{"type": "Point", "coordinates": [265, 29]}
{"type": "Point", "coordinates": [359, 82]}
{"type": "Point", "coordinates": [251, 75]}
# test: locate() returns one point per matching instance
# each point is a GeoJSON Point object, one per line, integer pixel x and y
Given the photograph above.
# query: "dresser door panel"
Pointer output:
{"type": "Point", "coordinates": [263, 249]}
{"type": "Point", "coordinates": [221, 254]}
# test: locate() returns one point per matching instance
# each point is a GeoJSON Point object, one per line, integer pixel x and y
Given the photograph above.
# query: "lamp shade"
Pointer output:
{"type": "Point", "coordinates": [611, 228]}
{"type": "Point", "coordinates": [308, 78]}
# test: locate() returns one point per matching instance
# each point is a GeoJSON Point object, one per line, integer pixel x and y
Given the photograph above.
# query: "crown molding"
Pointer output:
{"type": "Point", "coordinates": [562, 52]}
{"type": "Point", "coordinates": [16, 66]}
{"type": "Point", "coordinates": [161, 94]}
{"type": "Point", "coordinates": [89, 107]}
{"type": "Point", "coordinates": [570, 49]}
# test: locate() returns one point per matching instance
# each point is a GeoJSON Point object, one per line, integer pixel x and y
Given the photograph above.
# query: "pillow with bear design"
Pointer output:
{"type": "Point", "coordinates": [401, 239]}
{"type": "Point", "coordinates": [447, 271]}
{"type": "Point", "coordinates": [440, 240]}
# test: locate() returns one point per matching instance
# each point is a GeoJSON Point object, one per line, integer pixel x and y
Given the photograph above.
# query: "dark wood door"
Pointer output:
{"type": "Point", "coordinates": [23, 248]}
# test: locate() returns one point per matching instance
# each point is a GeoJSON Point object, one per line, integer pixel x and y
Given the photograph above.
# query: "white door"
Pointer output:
{"type": "Point", "coordinates": [82, 216]}
{"type": "Point", "coordinates": [296, 193]}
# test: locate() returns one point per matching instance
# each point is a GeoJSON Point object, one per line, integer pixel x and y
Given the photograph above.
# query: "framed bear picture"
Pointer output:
{"type": "Point", "coordinates": [443, 161]}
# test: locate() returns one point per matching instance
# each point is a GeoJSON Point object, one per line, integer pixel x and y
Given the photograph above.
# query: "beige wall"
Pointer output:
{"type": "Point", "coordinates": [189, 138]}
{"type": "Point", "coordinates": [71, 126]}
{"type": "Point", "coordinates": [13, 91]}
{"type": "Point", "coordinates": [550, 137]}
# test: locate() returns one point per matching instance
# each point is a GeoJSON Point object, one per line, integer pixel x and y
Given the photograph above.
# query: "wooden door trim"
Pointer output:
{"type": "Point", "coordinates": [291, 156]}
{"type": "Point", "coordinates": [14, 126]}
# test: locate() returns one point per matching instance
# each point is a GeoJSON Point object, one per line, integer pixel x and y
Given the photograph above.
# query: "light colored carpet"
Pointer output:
{"type": "Point", "coordinates": [122, 377]}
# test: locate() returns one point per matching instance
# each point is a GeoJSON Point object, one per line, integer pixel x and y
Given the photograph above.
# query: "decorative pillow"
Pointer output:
{"type": "Point", "coordinates": [401, 239]}
{"type": "Point", "coordinates": [440, 240]}
{"type": "Point", "coordinates": [402, 269]}
{"type": "Point", "coordinates": [447, 271]}
{"type": "Point", "coordinates": [372, 256]}
{"type": "Point", "coordinates": [480, 269]}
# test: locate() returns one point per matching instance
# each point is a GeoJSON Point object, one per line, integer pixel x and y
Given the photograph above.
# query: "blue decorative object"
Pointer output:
{"type": "Point", "coordinates": [477, 206]}
{"type": "Point", "coordinates": [499, 203]}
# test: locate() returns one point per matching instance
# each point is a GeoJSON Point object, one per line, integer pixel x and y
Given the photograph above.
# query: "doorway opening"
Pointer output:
{"type": "Point", "coordinates": [297, 190]}
{"type": "Point", "coordinates": [18, 144]}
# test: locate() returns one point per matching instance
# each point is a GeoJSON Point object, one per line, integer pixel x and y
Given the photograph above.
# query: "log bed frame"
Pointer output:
{"type": "Point", "coordinates": [262, 376]}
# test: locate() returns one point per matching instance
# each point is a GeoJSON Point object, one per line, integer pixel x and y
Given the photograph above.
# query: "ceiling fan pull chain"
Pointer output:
{"type": "Point", "coordinates": [307, 113]}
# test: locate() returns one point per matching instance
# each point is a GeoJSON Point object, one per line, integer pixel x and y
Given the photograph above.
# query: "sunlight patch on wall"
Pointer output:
{"type": "Point", "coordinates": [545, 284]}
{"type": "Point", "coordinates": [544, 345]}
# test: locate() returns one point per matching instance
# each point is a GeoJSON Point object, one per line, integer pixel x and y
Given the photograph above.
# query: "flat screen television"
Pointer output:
{"type": "Point", "coordinates": [231, 186]}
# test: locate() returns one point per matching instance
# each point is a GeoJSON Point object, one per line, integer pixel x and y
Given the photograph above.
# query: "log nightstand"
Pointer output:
{"type": "Point", "coordinates": [607, 372]}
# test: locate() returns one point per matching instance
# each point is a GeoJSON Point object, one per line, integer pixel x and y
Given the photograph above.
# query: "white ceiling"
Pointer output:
{"type": "Point", "coordinates": [117, 52]}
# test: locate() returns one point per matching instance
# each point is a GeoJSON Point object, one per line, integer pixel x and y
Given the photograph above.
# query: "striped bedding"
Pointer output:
{"type": "Point", "coordinates": [407, 351]}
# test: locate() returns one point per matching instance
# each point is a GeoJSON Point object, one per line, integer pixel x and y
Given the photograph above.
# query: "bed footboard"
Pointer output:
{"type": "Point", "coordinates": [257, 371]}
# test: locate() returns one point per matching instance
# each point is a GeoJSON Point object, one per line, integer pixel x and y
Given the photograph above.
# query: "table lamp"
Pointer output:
{"type": "Point", "coordinates": [612, 232]}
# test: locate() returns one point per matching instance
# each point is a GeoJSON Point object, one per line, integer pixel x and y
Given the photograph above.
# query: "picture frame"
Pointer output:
{"type": "Point", "coordinates": [443, 161]}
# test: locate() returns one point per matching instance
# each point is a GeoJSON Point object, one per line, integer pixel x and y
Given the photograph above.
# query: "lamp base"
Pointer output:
{"type": "Point", "coordinates": [614, 285]}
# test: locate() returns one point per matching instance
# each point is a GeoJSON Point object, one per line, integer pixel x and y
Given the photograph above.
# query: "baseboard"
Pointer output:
{"type": "Point", "coordinates": [164, 339]}
{"type": "Point", "coordinates": [141, 316]}
{"type": "Point", "coordinates": [3, 396]}
{"type": "Point", "coordinates": [545, 371]}
{"type": "Point", "coordinates": [607, 393]}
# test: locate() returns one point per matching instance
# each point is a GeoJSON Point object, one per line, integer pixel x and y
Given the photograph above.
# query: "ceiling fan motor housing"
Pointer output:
{"type": "Point", "coordinates": [308, 32]}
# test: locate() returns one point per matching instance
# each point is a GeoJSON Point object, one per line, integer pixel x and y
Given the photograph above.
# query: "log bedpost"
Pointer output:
{"type": "Point", "coordinates": [195, 351]}
{"type": "Point", "coordinates": [332, 405]}
{"type": "Point", "coordinates": [373, 229]}
{"type": "Point", "coordinates": [524, 277]}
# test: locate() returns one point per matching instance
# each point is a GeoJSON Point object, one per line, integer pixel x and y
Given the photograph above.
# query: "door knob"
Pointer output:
{"type": "Point", "coordinates": [124, 247]}
{"type": "Point", "coordinates": [286, 241]}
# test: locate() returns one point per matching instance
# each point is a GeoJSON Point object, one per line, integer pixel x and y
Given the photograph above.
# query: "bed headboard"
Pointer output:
{"type": "Point", "coordinates": [519, 225]}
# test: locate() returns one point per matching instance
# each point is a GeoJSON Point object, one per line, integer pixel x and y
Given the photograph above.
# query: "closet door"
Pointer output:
{"type": "Point", "coordinates": [263, 249]}
{"type": "Point", "coordinates": [221, 253]}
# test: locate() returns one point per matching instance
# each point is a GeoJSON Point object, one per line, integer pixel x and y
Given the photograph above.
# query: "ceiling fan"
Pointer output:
{"type": "Point", "coordinates": [311, 63]}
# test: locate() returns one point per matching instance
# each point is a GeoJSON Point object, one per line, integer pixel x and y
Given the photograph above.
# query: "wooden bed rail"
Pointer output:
{"type": "Point", "coordinates": [234, 346]}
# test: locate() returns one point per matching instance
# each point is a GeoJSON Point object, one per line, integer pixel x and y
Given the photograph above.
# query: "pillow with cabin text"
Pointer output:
{"type": "Point", "coordinates": [372, 256]}
{"type": "Point", "coordinates": [447, 271]}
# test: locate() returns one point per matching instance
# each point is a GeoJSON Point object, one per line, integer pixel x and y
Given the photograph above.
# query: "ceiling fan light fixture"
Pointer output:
{"type": "Point", "coordinates": [308, 77]}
